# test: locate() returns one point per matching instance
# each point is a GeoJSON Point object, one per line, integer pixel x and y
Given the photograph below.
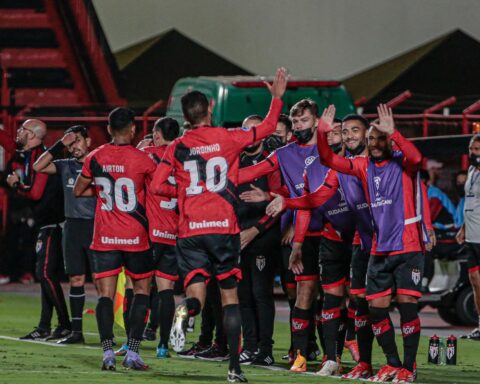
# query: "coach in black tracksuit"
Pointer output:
{"type": "Point", "coordinates": [257, 262]}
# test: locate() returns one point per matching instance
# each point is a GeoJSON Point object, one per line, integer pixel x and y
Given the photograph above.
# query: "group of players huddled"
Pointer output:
{"type": "Point", "coordinates": [338, 207]}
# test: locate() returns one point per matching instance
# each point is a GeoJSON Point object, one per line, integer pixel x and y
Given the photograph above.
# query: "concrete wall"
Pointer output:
{"type": "Point", "coordinates": [323, 38]}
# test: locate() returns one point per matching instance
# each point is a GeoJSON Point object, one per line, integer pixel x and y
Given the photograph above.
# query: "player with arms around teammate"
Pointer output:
{"type": "Point", "coordinates": [205, 165]}
{"type": "Point", "coordinates": [120, 235]}
{"type": "Point", "coordinates": [79, 213]}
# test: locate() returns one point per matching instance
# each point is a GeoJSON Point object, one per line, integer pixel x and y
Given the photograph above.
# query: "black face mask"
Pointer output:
{"type": "Point", "coordinates": [272, 143]}
{"type": "Point", "coordinates": [357, 151]}
{"type": "Point", "coordinates": [474, 160]}
{"type": "Point", "coordinates": [252, 148]}
{"type": "Point", "coordinates": [303, 136]}
{"type": "Point", "coordinates": [460, 190]}
{"type": "Point", "coordinates": [336, 148]}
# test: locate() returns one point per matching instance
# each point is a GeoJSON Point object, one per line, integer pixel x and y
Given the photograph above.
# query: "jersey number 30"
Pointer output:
{"type": "Point", "coordinates": [121, 192]}
{"type": "Point", "coordinates": [215, 171]}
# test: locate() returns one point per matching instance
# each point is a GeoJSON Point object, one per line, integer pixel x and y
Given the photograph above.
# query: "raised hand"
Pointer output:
{"type": "Point", "coordinates": [279, 85]}
{"type": "Point", "coordinates": [295, 263]}
{"type": "Point", "coordinates": [276, 206]}
{"type": "Point", "coordinates": [385, 121]}
{"type": "Point", "coordinates": [327, 117]}
{"type": "Point", "coordinates": [255, 195]}
{"type": "Point", "coordinates": [69, 138]}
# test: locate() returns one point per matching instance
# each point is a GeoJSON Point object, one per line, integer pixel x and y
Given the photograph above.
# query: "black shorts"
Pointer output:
{"type": "Point", "coordinates": [310, 254]}
{"type": "Point", "coordinates": [202, 256]}
{"type": "Point", "coordinates": [288, 278]}
{"type": "Point", "coordinates": [165, 261]}
{"type": "Point", "coordinates": [473, 257]}
{"type": "Point", "coordinates": [335, 257]}
{"type": "Point", "coordinates": [358, 270]}
{"type": "Point", "coordinates": [77, 237]}
{"type": "Point", "coordinates": [138, 265]}
{"type": "Point", "coordinates": [399, 274]}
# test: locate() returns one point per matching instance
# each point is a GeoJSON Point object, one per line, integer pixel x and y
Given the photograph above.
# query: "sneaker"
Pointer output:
{"type": "Point", "coordinates": [4, 279]}
{"type": "Point", "coordinates": [300, 364]}
{"type": "Point", "coordinates": [162, 352]}
{"type": "Point", "coordinates": [109, 363]}
{"type": "Point", "coordinates": [386, 373]}
{"type": "Point", "coordinates": [404, 376]}
{"type": "Point", "coordinates": [133, 360]}
{"type": "Point", "coordinates": [194, 349]}
{"type": "Point", "coordinates": [122, 351]}
{"type": "Point", "coordinates": [149, 334]}
{"type": "Point", "coordinates": [191, 324]}
{"type": "Point", "coordinates": [236, 377]}
{"type": "Point", "coordinates": [264, 359]}
{"type": "Point", "coordinates": [290, 356]}
{"type": "Point", "coordinates": [177, 335]}
{"type": "Point", "coordinates": [214, 353]}
{"type": "Point", "coordinates": [329, 368]}
{"type": "Point", "coordinates": [26, 278]}
{"type": "Point", "coordinates": [474, 335]}
{"type": "Point", "coordinates": [360, 371]}
{"type": "Point", "coordinates": [36, 334]}
{"type": "Point", "coordinates": [59, 333]}
{"type": "Point", "coordinates": [312, 352]}
{"type": "Point", "coordinates": [73, 338]}
{"type": "Point", "coordinates": [352, 346]}
{"type": "Point", "coordinates": [246, 357]}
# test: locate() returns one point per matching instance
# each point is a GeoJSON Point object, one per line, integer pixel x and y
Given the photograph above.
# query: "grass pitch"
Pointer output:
{"type": "Point", "coordinates": [33, 362]}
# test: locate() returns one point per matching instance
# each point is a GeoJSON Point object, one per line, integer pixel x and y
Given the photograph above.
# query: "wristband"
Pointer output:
{"type": "Point", "coordinates": [56, 149]}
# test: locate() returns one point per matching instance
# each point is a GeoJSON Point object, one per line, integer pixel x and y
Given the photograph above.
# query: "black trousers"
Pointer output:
{"type": "Point", "coordinates": [255, 294]}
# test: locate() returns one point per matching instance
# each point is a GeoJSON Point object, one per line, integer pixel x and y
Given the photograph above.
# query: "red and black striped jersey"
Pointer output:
{"type": "Point", "coordinates": [205, 162]}
{"type": "Point", "coordinates": [119, 173]}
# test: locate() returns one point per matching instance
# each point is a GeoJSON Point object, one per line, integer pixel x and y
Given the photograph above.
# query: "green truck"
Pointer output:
{"type": "Point", "coordinates": [234, 98]}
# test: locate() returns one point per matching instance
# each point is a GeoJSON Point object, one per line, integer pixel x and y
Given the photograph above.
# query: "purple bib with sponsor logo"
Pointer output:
{"type": "Point", "coordinates": [335, 210]}
{"type": "Point", "coordinates": [385, 187]}
{"type": "Point", "coordinates": [293, 159]}
{"type": "Point", "coordinates": [356, 201]}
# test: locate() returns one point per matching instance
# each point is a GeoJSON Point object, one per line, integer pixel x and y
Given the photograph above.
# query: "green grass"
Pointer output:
{"type": "Point", "coordinates": [22, 362]}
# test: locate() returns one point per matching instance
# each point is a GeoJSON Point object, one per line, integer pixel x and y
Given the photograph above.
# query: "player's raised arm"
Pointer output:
{"type": "Point", "coordinates": [44, 163]}
{"type": "Point", "coordinates": [164, 171]}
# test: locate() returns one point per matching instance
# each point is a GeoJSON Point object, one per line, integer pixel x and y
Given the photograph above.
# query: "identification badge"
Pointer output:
{"type": "Point", "coordinates": [470, 203]}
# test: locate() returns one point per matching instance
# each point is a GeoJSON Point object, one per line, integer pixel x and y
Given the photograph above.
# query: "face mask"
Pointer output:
{"type": "Point", "coordinates": [303, 136]}
{"type": "Point", "coordinates": [460, 190]}
{"type": "Point", "coordinates": [357, 151]}
{"type": "Point", "coordinates": [336, 148]}
{"type": "Point", "coordinates": [252, 148]}
{"type": "Point", "coordinates": [272, 143]}
{"type": "Point", "coordinates": [474, 160]}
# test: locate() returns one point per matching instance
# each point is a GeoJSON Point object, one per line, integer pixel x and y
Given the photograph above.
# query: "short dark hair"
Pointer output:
{"type": "Point", "coordinates": [354, 116]}
{"type": "Point", "coordinates": [78, 129]}
{"type": "Point", "coordinates": [169, 128]}
{"type": "Point", "coordinates": [304, 105]}
{"type": "Point", "coordinates": [424, 175]}
{"type": "Point", "coordinates": [285, 120]}
{"type": "Point", "coordinates": [474, 138]}
{"type": "Point", "coordinates": [121, 118]}
{"type": "Point", "coordinates": [194, 106]}
{"type": "Point", "coordinates": [337, 120]}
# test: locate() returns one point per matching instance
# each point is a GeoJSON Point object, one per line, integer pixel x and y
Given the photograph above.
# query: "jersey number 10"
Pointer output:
{"type": "Point", "coordinates": [121, 192]}
{"type": "Point", "coordinates": [215, 171]}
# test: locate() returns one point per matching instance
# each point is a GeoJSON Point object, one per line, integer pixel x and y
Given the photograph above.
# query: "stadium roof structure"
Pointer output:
{"type": "Point", "coordinates": [446, 66]}
{"type": "Point", "coordinates": [150, 68]}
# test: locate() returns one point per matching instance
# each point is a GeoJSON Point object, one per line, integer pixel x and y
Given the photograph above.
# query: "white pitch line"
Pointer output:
{"type": "Point", "coordinates": [46, 343]}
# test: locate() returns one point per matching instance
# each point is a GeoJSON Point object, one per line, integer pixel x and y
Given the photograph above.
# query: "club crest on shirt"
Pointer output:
{"type": "Point", "coordinates": [309, 160]}
{"type": "Point", "coordinates": [260, 262]}
{"type": "Point", "coordinates": [416, 276]}
{"type": "Point", "coordinates": [246, 129]}
{"type": "Point", "coordinates": [38, 246]}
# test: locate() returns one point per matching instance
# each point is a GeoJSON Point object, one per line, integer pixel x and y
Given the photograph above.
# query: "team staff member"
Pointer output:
{"type": "Point", "coordinates": [46, 194]}
{"type": "Point", "coordinates": [79, 213]}
{"type": "Point", "coordinates": [204, 162]}
{"type": "Point", "coordinates": [260, 245]}
{"type": "Point", "coordinates": [120, 235]}
{"type": "Point", "coordinates": [163, 227]}
{"type": "Point", "coordinates": [470, 231]}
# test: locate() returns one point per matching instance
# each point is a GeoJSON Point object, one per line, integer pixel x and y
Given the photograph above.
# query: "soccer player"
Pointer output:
{"type": "Point", "coordinates": [45, 194]}
{"type": "Point", "coordinates": [396, 262]}
{"type": "Point", "coordinates": [470, 231]}
{"type": "Point", "coordinates": [163, 227]}
{"type": "Point", "coordinates": [79, 212]}
{"type": "Point", "coordinates": [205, 163]}
{"type": "Point", "coordinates": [120, 235]}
